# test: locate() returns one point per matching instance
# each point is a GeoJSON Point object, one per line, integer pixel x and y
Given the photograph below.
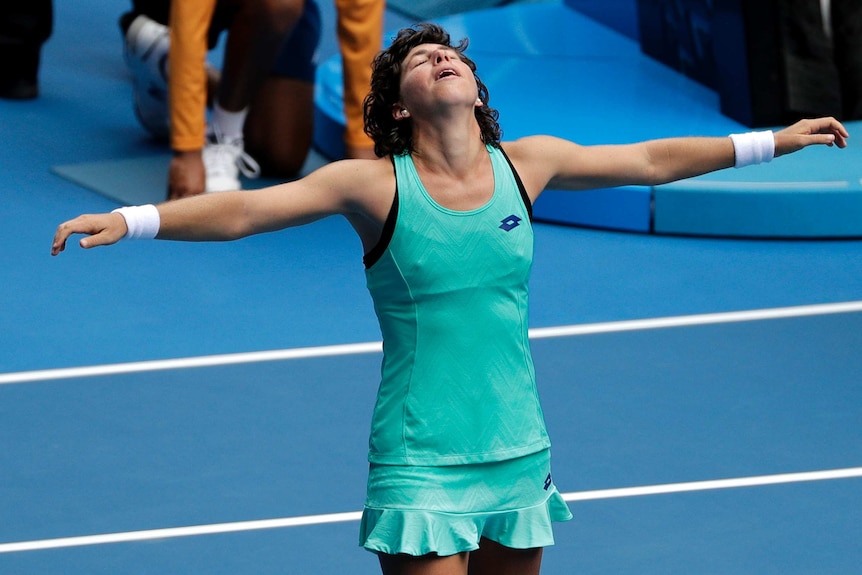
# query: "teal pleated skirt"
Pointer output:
{"type": "Point", "coordinates": [445, 510]}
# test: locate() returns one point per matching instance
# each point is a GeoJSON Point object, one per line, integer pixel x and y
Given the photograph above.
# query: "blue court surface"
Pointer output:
{"type": "Point", "coordinates": [204, 408]}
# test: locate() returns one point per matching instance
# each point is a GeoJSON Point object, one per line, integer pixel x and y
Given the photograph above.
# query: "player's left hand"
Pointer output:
{"type": "Point", "coordinates": [823, 131]}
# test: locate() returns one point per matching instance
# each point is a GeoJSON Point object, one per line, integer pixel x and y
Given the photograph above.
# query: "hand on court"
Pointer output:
{"type": "Point", "coordinates": [101, 230]}
{"type": "Point", "coordinates": [825, 131]}
{"type": "Point", "coordinates": [186, 175]}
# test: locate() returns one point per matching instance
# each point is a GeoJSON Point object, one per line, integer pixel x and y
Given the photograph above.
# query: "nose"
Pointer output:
{"type": "Point", "coordinates": [441, 55]}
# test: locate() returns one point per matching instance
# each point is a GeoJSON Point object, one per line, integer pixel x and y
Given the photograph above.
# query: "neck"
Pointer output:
{"type": "Point", "coordinates": [448, 146]}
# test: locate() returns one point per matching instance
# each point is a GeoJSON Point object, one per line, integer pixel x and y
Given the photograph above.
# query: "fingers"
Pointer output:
{"type": "Point", "coordinates": [832, 125]}
{"type": "Point", "coordinates": [59, 243]}
{"type": "Point", "coordinates": [831, 130]}
{"type": "Point", "coordinates": [64, 231]}
{"type": "Point", "coordinates": [817, 131]}
{"type": "Point", "coordinates": [101, 229]}
{"type": "Point", "coordinates": [186, 175]}
{"type": "Point", "coordinates": [840, 133]}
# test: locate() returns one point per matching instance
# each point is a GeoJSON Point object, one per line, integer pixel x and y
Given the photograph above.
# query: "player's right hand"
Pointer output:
{"type": "Point", "coordinates": [100, 229]}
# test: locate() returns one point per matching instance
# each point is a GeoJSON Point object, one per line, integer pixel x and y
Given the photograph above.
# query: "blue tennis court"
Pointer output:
{"type": "Point", "coordinates": [204, 408]}
{"type": "Point", "coordinates": [711, 443]}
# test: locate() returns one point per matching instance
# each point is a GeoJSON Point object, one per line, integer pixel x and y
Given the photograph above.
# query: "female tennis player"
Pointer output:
{"type": "Point", "coordinates": [460, 478]}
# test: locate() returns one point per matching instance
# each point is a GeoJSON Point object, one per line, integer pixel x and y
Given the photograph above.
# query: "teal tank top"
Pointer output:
{"type": "Point", "coordinates": [450, 292]}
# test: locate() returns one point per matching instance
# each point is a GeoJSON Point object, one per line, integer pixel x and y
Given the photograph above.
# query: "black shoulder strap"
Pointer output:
{"type": "Point", "coordinates": [375, 253]}
{"type": "Point", "coordinates": [527, 203]}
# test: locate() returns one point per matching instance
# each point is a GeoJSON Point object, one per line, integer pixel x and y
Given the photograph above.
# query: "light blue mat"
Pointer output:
{"type": "Point", "coordinates": [129, 182]}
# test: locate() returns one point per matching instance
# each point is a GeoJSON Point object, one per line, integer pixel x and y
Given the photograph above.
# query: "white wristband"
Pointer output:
{"type": "Point", "coordinates": [753, 148]}
{"type": "Point", "coordinates": [142, 221]}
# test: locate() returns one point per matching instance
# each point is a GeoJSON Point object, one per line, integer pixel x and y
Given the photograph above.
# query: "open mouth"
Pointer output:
{"type": "Point", "coordinates": [446, 73]}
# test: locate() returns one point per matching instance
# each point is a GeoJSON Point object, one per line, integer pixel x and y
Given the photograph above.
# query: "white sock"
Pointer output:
{"type": "Point", "coordinates": [228, 125]}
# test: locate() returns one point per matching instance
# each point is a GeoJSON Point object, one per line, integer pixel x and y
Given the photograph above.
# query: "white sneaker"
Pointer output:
{"type": "Point", "coordinates": [146, 54]}
{"type": "Point", "coordinates": [224, 161]}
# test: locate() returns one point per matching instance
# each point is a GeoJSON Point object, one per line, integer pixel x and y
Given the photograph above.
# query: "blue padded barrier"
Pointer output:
{"type": "Point", "coordinates": [814, 193]}
{"type": "Point", "coordinates": [760, 209]}
{"type": "Point", "coordinates": [626, 208]}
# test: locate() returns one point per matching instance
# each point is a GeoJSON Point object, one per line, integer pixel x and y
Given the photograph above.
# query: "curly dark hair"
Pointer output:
{"type": "Point", "coordinates": [394, 137]}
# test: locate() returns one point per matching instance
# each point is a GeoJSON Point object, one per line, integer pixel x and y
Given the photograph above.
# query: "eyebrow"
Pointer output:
{"type": "Point", "coordinates": [418, 53]}
{"type": "Point", "coordinates": [426, 51]}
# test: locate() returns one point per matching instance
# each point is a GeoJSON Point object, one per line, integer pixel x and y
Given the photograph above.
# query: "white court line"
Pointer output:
{"type": "Point", "coordinates": [173, 532]}
{"type": "Point", "coordinates": [188, 362]}
{"type": "Point", "coordinates": [700, 319]}
{"type": "Point", "coordinates": [377, 347]}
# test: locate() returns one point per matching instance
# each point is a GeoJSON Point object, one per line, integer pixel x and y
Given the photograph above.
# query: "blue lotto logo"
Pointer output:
{"type": "Point", "coordinates": [510, 223]}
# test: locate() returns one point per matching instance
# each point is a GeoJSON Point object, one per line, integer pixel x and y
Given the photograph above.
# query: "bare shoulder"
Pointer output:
{"type": "Point", "coordinates": [364, 186]}
{"type": "Point", "coordinates": [538, 159]}
{"type": "Point", "coordinates": [537, 147]}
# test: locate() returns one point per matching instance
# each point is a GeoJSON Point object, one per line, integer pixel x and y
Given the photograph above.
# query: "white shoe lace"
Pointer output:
{"type": "Point", "coordinates": [225, 160]}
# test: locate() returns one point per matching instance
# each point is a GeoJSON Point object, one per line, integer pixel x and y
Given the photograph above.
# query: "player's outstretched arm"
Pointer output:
{"type": "Point", "coordinates": [548, 162]}
{"type": "Point", "coordinates": [339, 188]}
